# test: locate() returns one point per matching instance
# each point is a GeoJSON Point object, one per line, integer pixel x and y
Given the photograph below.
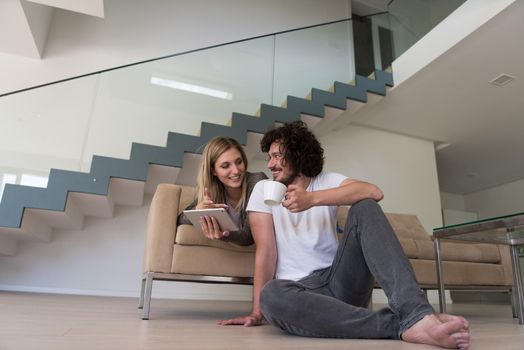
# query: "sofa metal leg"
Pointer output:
{"type": "Point", "coordinates": [148, 286]}
{"type": "Point", "coordinates": [142, 290]}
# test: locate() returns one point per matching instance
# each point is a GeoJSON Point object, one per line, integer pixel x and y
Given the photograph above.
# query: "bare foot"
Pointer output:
{"type": "Point", "coordinates": [442, 330]}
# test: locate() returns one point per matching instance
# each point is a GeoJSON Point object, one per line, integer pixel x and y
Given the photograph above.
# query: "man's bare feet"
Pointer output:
{"type": "Point", "coordinates": [442, 330]}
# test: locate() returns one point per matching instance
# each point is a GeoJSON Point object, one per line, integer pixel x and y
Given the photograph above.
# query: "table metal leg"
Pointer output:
{"type": "Point", "coordinates": [440, 277]}
{"type": "Point", "coordinates": [514, 301]}
{"type": "Point", "coordinates": [518, 284]}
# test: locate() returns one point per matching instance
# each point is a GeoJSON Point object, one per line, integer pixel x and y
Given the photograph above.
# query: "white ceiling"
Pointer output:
{"type": "Point", "coordinates": [30, 20]}
{"type": "Point", "coordinates": [449, 101]}
{"type": "Point", "coordinates": [452, 101]}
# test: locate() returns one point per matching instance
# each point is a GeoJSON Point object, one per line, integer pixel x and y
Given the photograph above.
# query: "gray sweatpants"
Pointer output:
{"type": "Point", "coordinates": [332, 302]}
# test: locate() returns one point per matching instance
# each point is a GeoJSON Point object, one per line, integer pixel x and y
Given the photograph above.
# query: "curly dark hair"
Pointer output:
{"type": "Point", "coordinates": [299, 147]}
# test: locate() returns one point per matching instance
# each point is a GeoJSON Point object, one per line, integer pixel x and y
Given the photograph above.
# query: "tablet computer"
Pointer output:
{"type": "Point", "coordinates": [223, 218]}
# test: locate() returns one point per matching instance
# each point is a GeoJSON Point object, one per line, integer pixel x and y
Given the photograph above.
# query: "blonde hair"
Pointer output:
{"type": "Point", "coordinates": [213, 150]}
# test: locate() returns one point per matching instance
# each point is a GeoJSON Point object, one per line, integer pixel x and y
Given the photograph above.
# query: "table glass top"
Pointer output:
{"type": "Point", "coordinates": [497, 218]}
{"type": "Point", "coordinates": [507, 229]}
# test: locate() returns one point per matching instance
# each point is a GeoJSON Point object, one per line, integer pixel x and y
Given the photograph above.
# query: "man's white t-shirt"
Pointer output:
{"type": "Point", "coordinates": [306, 241]}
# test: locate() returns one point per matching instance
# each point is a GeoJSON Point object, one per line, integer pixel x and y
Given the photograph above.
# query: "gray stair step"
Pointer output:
{"type": "Point", "coordinates": [32, 212]}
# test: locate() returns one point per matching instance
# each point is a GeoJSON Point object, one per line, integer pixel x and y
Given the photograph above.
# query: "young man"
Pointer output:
{"type": "Point", "coordinates": [306, 282]}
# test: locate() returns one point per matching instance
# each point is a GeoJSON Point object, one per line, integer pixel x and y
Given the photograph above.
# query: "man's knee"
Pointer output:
{"type": "Point", "coordinates": [363, 210]}
{"type": "Point", "coordinates": [272, 294]}
{"type": "Point", "coordinates": [365, 206]}
{"type": "Point", "coordinates": [267, 292]}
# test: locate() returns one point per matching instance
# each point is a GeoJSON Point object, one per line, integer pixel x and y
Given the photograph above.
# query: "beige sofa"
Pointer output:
{"type": "Point", "coordinates": [182, 254]}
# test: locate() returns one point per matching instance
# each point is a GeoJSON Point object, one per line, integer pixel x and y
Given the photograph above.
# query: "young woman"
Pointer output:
{"type": "Point", "coordinates": [223, 182]}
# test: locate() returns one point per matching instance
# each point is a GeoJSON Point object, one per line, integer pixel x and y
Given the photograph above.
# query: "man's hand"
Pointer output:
{"type": "Point", "coordinates": [246, 321]}
{"type": "Point", "coordinates": [297, 199]}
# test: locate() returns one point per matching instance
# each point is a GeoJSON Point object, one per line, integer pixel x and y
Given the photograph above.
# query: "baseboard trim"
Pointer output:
{"type": "Point", "coordinates": [92, 292]}
{"type": "Point", "coordinates": [170, 290]}
{"type": "Point", "coordinates": [380, 298]}
{"type": "Point", "coordinates": [184, 290]}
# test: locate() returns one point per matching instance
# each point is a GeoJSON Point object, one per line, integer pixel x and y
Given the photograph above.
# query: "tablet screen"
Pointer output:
{"type": "Point", "coordinates": [223, 218]}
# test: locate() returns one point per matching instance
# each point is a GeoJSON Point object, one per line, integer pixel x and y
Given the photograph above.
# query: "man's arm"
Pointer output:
{"type": "Point", "coordinates": [347, 193]}
{"type": "Point", "coordinates": [265, 265]}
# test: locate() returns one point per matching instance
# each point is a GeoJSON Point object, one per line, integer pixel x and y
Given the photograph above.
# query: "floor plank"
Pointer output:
{"type": "Point", "coordinates": [52, 321]}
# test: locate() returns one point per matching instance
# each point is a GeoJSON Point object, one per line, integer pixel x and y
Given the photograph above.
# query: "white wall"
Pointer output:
{"type": "Point", "coordinates": [452, 201]}
{"type": "Point", "coordinates": [454, 209]}
{"type": "Point", "coordinates": [497, 201]}
{"type": "Point", "coordinates": [105, 256]}
{"type": "Point", "coordinates": [62, 126]}
{"type": "Point", "coordinates": [403, 167]}
{"type": "Point", "coordinates": [137, 30]}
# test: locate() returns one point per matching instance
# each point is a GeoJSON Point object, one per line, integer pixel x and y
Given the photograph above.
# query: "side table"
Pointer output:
{"type": "Point", "coordinates": [507, 230]}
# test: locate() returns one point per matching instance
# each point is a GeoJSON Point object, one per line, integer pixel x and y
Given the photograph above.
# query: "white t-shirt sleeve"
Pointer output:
{"type": "Point", "coordinates": [328, 180]}
{"type": "Point", "coordinates": [256, 200]}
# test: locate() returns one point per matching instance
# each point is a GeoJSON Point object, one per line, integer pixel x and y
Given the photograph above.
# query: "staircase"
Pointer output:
{"type": "Point", "coordinates": [31, 213]}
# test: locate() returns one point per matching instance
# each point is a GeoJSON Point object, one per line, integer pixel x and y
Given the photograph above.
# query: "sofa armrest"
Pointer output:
{"type": "Point", "coordinates": [161, 228]}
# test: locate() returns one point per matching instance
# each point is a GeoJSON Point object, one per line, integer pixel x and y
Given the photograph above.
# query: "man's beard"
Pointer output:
{"type": "Point", "coordinates": [289, 179]}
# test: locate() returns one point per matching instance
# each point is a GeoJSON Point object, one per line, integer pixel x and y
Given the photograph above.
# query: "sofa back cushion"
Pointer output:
{"type": "Point", "coordinates": [186, 197]}
{"type": "Point", "coordinates": [461, 251]}
{"type": "Point", "coordinates": [406, 226]}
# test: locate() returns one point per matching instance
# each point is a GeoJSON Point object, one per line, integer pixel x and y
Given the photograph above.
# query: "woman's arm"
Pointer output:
{"type": "Point", "coordinates": [265, 265]}
{"type": "Point", "coordinates": [244, 237]}
{"type": "Point", "coordinates": [182, 219]}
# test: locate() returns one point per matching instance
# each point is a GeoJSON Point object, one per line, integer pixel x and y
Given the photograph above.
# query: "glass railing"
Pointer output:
{"type": "Point", "coordinates": [410, 20]}
{"type": "Point", "coordinates": [63, 125]}
{"type": "Point", "coordinates": [383, 37]}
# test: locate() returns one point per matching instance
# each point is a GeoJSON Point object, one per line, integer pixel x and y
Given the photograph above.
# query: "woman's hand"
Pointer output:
{"type": "Point", "coordinates": [209, 224]}
{"type": "Point", "coordinates": [211, 228]}
{"type": "Point", "coordinates": [247, 321]}
{"type": "Point", "coordinates": [207, 202]}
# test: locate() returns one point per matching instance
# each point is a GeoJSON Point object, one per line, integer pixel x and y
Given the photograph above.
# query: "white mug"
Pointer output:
{"type": "Point", "coordinates": [274, 192]}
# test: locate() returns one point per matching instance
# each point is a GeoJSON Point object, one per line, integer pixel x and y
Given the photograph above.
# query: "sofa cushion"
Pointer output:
{"type": "Point", "coordinates": [410, 247]}
{"type": "Point", "coordinates": [342, 214]}
{"type": "Point", "coordinates": [186, 197]}
{"type": "Point", "coordinates": [459, 273]}
{"type": "Point", "coordinates": [404, 225]}
{"type": "Point", "coordinates": [408, 226]}
{"type": "Point", "coordinates": [188, 235]}
{"type": "Point", "coordinates": [200, 260]}
{"type": "Point", "coordinates": [459, 251]}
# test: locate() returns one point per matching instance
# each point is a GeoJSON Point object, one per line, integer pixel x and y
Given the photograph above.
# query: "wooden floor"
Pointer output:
{"type": "Point", "coordinates": [45, 321]}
